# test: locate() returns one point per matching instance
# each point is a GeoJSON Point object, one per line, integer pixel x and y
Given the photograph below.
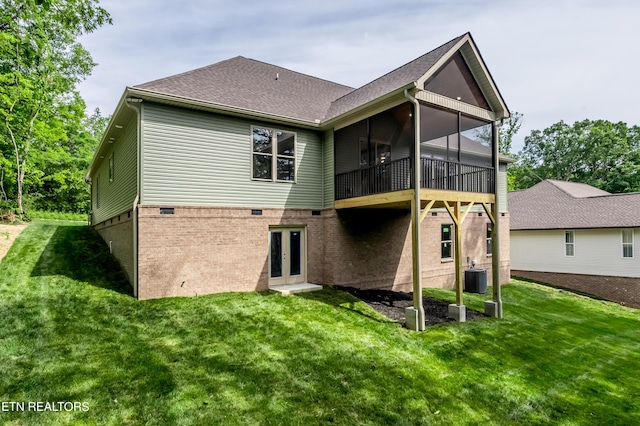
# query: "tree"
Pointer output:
{"type": "Point", "coordinates": [41, 64]}
{"type": "Point", "coordinates": [56, 181]}
{"type": "Point", "coordinates": [599, 153]}
{"type": "Point", "coordinates": [506, 131]}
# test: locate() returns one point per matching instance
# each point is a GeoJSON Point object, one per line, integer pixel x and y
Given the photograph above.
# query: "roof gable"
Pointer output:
{"type": "Point", "coordinates": [403, 76]}
{"type": "Point", "coordinates": [455, 80]}
{"type": "Point", "coordinates": [424, 69]}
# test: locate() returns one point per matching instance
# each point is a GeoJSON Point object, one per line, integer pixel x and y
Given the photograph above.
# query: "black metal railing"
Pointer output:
{"type": "Point", "coordinates": [396, 175]}
{"type": "Point", "coordinates": [454, 176]}
{"type": "Point", "coordinates": [387, 177]}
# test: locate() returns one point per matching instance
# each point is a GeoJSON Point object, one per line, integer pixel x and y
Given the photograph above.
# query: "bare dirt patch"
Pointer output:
{"type": "Point", "coordinates": [393, 303]}
{"type": "Point", "coordinates": [8, 233]}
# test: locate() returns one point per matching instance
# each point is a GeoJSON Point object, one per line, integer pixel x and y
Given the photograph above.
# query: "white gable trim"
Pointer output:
{"type": "Point", "coordinates": [456, 105]}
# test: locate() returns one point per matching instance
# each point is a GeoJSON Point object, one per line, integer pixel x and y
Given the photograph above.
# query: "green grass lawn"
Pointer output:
{"type": "Point", "coordinates": [70, 331]}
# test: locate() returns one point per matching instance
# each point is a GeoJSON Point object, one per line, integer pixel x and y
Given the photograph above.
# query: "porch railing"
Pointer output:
{"type": "Point", "coordinates": [396, 175]}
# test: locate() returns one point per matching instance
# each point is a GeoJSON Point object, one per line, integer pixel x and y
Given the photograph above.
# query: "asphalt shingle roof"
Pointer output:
{"type": "Point", "coordinates": [391, 81]}
{"type": "Point", "coordinates": [264, 88]}
{"type": "Point", "coordinates": [254, 86]}
{"type": "Point", "coordinates": [553, 204]}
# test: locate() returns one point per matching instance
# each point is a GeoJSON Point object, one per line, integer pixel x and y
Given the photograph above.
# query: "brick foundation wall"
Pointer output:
{"type": "Point", "coordinates": [625, 291]}
{"type": "Point", "coordinates": [371, 248]}
{"type": "Point", "coordinates": [119, 231]}
{"type": "Point", "coordinates": [202, 250]}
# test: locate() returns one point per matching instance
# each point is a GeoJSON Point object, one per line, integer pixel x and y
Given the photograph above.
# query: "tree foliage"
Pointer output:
{"type": "Point", "coordinates": [599, 153]}
{"type": "Point", "coordinates": [41, 63]}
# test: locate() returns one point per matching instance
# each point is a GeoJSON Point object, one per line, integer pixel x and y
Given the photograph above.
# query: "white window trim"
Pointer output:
{"type": "Point", "coordinates": [573, 232]}
{"type": "Point", "coordinates": [633, 238]}
{"type": "Point", "coordinates": [446, 259]}
{"type": "Point", "coordinates": [274, 155]}
{"type": "Point", "coordinates": [489, 239]}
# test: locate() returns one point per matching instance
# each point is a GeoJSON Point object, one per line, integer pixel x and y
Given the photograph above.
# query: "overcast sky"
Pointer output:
{"type": "Point", "coordinates": [552, 60]}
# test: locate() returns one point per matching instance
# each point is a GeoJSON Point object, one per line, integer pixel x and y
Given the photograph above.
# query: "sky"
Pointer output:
{"type": "Point", "coordinates": [551, 60]}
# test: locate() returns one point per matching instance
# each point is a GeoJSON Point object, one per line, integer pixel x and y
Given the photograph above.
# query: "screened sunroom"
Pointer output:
{"type": "Point", "coordinates": [374, 155]}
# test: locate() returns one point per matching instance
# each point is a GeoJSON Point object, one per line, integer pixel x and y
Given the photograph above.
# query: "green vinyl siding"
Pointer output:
{"type": "Point", "coordinates": [117, 196]}
{"type": "Point", "coordinates": [327, 166]}
{"type": "Point", "coordinates": [204, 159]}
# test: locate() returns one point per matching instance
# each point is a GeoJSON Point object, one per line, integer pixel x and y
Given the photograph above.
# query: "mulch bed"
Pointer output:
{"type": "Point", "coordinates": [393, 303]}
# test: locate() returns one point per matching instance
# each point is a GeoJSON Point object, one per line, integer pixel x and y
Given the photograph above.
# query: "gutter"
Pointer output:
{"type": "Point", "coordinates": [415, 217]}
{"type": "Point", "coordinates": [220, 108]}
{"type": "Point", "coordinates": [134, 207]}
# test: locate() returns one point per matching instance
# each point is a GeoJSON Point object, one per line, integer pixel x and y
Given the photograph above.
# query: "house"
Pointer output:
{"type": "Point", "coordinates": [244, 175]}
{"type": "Point", "coordinates": [579, 237]}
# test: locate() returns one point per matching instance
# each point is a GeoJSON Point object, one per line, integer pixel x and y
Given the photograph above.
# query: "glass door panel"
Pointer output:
{"type": "Point", "coordinates": [295, 253]}
{"type": "Point", "coordinates": [287, 256]}
{"type": "Point", "coordinates": [276, 254]}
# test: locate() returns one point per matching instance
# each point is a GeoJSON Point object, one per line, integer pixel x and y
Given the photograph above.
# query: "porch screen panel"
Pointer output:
{"type": "Point", "coordinates": [455, 81]}
{"type": "Point", "coordinates": [347, 147]}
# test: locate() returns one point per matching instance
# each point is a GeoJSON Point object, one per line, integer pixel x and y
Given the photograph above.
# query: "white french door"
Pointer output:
{"type": "Point", "coordinates": [287, 256]}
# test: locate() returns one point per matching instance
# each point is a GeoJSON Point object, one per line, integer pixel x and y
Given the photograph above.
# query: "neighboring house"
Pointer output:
{"type": "Point", "coordinates": [242, 175]}
{"type": "Point", "coordinates": [576, 236]}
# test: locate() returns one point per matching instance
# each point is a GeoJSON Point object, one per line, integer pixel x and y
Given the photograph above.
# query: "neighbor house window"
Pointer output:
{"type": "Point", "coordinates": [489, 247]}
{"type": "Point", "coordinates": [569, 243]}
{"type": "Point", "coordinates": [627, 243]}
{"type": "Point", "coordinates": [273, 154]}
{"type": "Point", "coordinates": [111, 168]}
{"type": "Point", "coordinates": [445, 241]}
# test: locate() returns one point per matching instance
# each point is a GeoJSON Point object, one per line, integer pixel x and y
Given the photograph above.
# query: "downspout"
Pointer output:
{"type": "Point", "coordinates": [134, 208]}
{"type": "Point", "coordinates": [415, 216]}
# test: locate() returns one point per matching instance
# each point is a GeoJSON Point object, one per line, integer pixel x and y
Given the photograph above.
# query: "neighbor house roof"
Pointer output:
{"type": "Point", "coordinates": [553, 204]}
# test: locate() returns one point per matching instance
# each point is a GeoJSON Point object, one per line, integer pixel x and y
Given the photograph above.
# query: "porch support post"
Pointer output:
{"type": "Point", "coordinates": [458, 253]}
{"type": "Point", "coordinates": [457, 310]}
{"type": "Point", "coordinates": [415, 315]}
{"type": "Point", "coordinates": [494, 307]}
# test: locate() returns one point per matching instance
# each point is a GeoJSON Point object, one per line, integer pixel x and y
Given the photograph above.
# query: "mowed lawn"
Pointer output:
{"type": "Point", "coordinates": [71, 332]}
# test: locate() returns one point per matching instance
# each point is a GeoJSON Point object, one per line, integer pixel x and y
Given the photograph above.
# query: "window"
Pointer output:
{"type": "Point", "coordinates": [569, 243]}
{"type": "Point", "coordinates": [627, 243]}
{"type": "Point", "coordinates": [273, 155]}
{"type": "Point", "coordinates": [446, 241]}
{"type": "Point", "coordinates": [111, 168]}
{"type": "Point", "coordinates": [489, 247]}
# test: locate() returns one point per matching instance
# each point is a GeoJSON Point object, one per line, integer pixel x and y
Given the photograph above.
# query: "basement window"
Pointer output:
{"type": "Point", "coordinates": [489, 246]}
{"type": "Point", "coordinates": [569, 243]}
{"type": "Point", "coordinates": [627, 243]}
{"type": "Point", "coordinates": [446, 241]}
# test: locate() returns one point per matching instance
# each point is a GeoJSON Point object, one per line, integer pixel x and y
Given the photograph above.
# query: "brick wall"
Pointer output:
{"type": "Point", "coordinates": [118, 231]}
{"type": "Point", "coordinates": [371, 248]}
{"type": "Point", "coordinates": [202, 250]}
{"type": "Point", "coordinates": [625, 291]}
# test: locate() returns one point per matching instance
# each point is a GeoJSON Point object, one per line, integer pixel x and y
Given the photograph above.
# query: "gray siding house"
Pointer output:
{"type": "Point", "coordinates": [243, 175]}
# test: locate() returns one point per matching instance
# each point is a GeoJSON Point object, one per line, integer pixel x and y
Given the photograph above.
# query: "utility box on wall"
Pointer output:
{"type": "Point", "coordinates": [475, 281]}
